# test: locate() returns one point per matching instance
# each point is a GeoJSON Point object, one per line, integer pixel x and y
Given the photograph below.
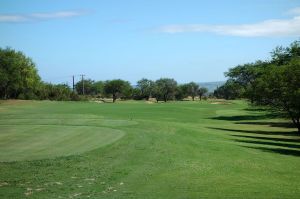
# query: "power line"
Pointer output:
{"type": "Point", "coordinates": [73, 78]}
{"type": "Point", "coordinates": [82, 79]}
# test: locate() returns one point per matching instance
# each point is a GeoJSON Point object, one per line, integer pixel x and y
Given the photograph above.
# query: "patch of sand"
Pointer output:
{"type": "Point", "coordinates": [14, 102]}
{"type": "Point", "coordinates": [221, 102]}
{"type": "Point", "coordinates": [3, 184]}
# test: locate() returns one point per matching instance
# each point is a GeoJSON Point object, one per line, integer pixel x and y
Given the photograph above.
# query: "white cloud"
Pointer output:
{"type": "Point", "coordinates": [294, 11]}
{"type": "Point", "coordinates": [39, 16]}
{"type": "Point", "coordinates": [62, 14]}
{"type": "Point", "coordinates": [12, 18]}
{"type": "Point", "coordinates": [273, 28]}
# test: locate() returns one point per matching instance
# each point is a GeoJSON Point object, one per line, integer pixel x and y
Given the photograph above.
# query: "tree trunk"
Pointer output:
{"type": "Point", "coordinates": [200, 96]}
{"type": "Point", "coordinates": [5, 93]}
{"type": "Point", "coordinates": [193, 97]}
{"type": "Point", "coordinates": [165, 98]}
{"type": "Point", "coordinates": [296, 123]}
{"type": "Point", "coordinates": [114, 98]}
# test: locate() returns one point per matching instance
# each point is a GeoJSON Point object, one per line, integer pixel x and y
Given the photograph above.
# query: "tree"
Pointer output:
{"type": "Point", "coordinates": [283, 55]}
{"type": "Point", "coordinates": [202, 91]}
{"type": "Point", "coordinates": [98, 88]}
{"type": "Point", "coordinates": [181, 92]}
{"type": "Point", "coordinates": [89, 88]}
{"type": "Point", "coordinates": [136, 94]}
{"type": "Point", "coordinates": [59, 92]}
{"type": "Point", "coordinates": [190, 89]}
{"type": "Point", "coordinates": [116, 88]}
{"type": "Point", "coordinates": [279, 89]}
{"type": "Point", "coordinates": [157, 93]}
{"type": "Point", "coordinates": [275, 84]}
{"type": "Point", "coordinates": [229, 91]}
{"type": "Point", "coordinates": [165, 89]}
{"type": "Point", "coordinates": [246, 75]}
{"type": "Point", "coordinates": [18, 75]}
{"type": "Point", "coordinates": [146, 88]}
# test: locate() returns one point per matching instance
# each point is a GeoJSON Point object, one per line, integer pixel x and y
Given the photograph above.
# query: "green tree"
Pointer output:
{"type": "Point", "coordinates": [98, 87]}
{"type": "Point", "coordinates": [275, 83]}
{"type": "Point", "coordinates": [246, 75]}
{"type": "Point", "coordinates": [136, 94]}
{"type": "Point", "coordinates": [18, 75]}
{"type": "Point", "coordinates": [202, 91]}
{"type": "Point", "coordinates": [181, 92]}
{"type": "Point", "coordinates": [88, 85]}
{"type": "Point", "coordinates": [165, 89]}
{"type": "Point", "coordinates": [190, 89]}
{"type": "Point", "coordinates": [279, 89]}
{"type": "Point", "coordinates": [146, 88]}
{"type": "Point", "coordinates": [283, 55]}
{"type": "Point", "coordinates": [117, 88]}
{"type": "Point", "coordinates": [229, 91]}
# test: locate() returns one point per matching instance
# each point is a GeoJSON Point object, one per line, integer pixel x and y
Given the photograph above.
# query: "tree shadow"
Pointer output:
{"type": "Point", "coordinates": [263, 140]}
{"type": "Point", "coordinates": [260, 132]}
{"type": "Point", "coordinates": [267, 141]}
{"type": "Point", "coordinates": [271, 144]}
{"type": "Point", "coordinates": [297, 140]}
{"type": "Point", "coordinates": [266, 110]}
{"type": "Point", "coordinates": [256, 109]}
{"type": "Point", "coordinates": [271, 124]}
{"type": "Point", "coordinates": [246, 117]}
{"type": "Point", "coordinates": [279, 144]}
{"type": "Point", "coordinates": [277, 150]}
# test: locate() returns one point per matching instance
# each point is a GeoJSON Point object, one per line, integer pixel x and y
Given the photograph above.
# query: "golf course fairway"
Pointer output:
{"type": "Point", "coordinates": [139, 149]}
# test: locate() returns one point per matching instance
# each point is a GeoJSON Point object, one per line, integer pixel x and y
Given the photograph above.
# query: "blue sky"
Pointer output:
{"type": "Point", "coordinates": [189, 40]}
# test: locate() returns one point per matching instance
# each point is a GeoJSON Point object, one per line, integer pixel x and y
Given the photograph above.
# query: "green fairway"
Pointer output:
{"type": "Point", "coordinates": [136, 149]}
{"type": "Point", "coordinates": [31, 141]}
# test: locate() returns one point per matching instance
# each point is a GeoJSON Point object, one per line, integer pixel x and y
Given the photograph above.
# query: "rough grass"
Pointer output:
{"type": "Point", "coordinates": [172, 150]}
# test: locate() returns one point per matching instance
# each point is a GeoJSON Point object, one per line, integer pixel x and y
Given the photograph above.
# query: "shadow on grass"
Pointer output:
{"type": "Point", "coordinates": [288, 145]}
{"type": "Point", "coordinates": [259, 113]}
{"type": "Point", "coordinates": [260, 139]}
{"type": "Point", "coordinates": [246, 117]}
{"type": "Point", "coordinates": [296, 140]}
{"type": "Point", "coordinates": [271, 124]}
{"type": "Point", "coordinates": [256, 109]}
{"type": "Point", "coordinates": [277, 150]}
{"type": "Point", "coordinates": [260, 132]}
{"type": "Point", "coordinates": [265, 140]}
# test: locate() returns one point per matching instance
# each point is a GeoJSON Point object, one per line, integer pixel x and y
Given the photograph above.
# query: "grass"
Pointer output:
{"type": "Point", "coordinates": [142, 150]}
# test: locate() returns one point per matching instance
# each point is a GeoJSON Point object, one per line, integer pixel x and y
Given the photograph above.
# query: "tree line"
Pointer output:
{"type": "Point", "coordinates": [19, 79]}
{"type": "Point", "coordinates": [163, 89]}
{"type": "Point", "coordinates": [274, 83]}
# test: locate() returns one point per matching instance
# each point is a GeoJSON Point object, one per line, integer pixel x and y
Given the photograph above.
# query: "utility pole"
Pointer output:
{"type": "Point", "coordinates": [82, 83]}
{"type": "Point", "coordinates": [73, 84]}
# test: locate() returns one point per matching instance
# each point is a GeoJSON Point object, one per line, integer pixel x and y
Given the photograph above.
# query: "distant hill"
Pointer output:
{"type": "Point", "coordinates": [211, 86]}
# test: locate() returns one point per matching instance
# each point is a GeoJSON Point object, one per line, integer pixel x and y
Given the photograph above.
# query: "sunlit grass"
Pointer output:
{"type": "Point", "coordinates": [146, 150]}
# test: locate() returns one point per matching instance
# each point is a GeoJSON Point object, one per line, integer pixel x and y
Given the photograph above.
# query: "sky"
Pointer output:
{"type": "Point", "coordinates": [188, 40]}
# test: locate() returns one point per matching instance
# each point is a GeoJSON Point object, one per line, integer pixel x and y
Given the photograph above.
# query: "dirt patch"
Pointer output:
{"type": "Point", "coordinates": [150, 102]}
{"type": "Point", "coordinates": [14, 102]}
{"type": "Point", "coordinates": [99, 102]}
{"type": "Point", "coordinates": [221, 102]}
{"type": "Point", "coordinates": [89, 179]}
{"type": "Point", "coordinates": [3, 184]}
